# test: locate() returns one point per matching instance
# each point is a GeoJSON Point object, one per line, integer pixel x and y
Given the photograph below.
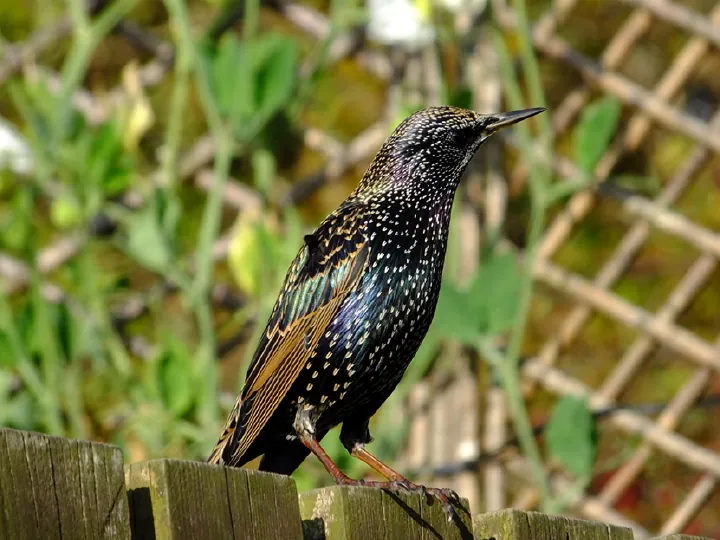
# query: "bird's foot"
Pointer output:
{"type": "Point", "coordinates": [446, 497]}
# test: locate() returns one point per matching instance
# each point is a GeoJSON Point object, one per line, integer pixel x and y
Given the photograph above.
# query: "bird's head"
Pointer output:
{"type": "Point", "coordinates": [434, 145]}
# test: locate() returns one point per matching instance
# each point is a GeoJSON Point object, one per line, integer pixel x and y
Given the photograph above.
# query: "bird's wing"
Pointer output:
{"type": "Point", "coordinates": [325, 270]}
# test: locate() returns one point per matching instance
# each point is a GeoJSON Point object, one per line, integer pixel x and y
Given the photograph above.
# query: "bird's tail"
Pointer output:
{"type": "Point", "coordinates": [228, 437]}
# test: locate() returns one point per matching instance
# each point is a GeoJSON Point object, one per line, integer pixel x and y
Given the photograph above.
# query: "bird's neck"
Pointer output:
{"type": "Point", "coordinates": [413, 221]}
{"type": "Point", "coordinates": [410, 203]}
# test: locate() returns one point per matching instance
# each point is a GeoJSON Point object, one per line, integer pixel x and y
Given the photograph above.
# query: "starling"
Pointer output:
{"type": "Point", "coordinates": [357, 302]}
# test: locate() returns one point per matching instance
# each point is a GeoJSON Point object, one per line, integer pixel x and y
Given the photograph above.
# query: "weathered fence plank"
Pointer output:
{"type": "Point", "coordinates": [60, 488]}
{"type": "Point", "coordinates": [681, 537]}
{"type": "Point", "coordinates": [349, 513]}
{"type": "Point", "coordinates": [519, 525]}
{"type": "Point", "coordinates": [172, 499]}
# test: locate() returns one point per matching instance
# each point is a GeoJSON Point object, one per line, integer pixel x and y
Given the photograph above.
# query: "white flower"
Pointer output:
{"type": "Point", "coordinates": [399, 22]}
{"type": "Point", "coordinates": [15, 152]}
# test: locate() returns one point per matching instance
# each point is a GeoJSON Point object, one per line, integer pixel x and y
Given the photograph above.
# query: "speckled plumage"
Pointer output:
{"type": "Point", "coordinates": [358, 299]}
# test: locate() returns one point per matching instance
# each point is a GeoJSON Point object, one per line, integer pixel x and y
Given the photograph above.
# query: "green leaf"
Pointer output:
{"type": "Point", "coordinates": [487, 306]}
{"type": "Point", "coordinates": [570, 436]}
{"type": "Point", "coordinates": [462, 97]}
{"type": "Point", "coordinates": [245, 253]}
{"type": "Point", "coordinates": [175, 377]}
{"type": "Point", "coordinates": [65, 213]}
{"type": "Point", "coordinates": [16, 225]}
{"type": "Point", "coordinates": [253, 80]}
{"type": "Point", "coordinates": [456, 317]}
{"type": "Point", "coordinates": [106, 154]}
{"type": "Point", "coordinates": [496, 291]}
{"type": "Point", "coordinates": [596, 128]}
{"type": "Point", "coordinates": [147, 240]}
{"type": "Point", "coordinates": [275, 73]}
{"type": "Point", "coordinates": [232, 78]}
{"type": "Point", "coordinates": [17, 409]}
{"type": "Point", "coordinates": [67, 330]}
{"type": "Point", "coordinates": [264, 170]}
{"type": "Point", "coordinates": [26, 325]}
{"type": "Point", "coordinates": [7, 355]}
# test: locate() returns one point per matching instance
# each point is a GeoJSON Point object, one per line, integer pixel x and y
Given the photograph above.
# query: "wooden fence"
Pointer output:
{"type": "Point", "coordinates": [52, 487]}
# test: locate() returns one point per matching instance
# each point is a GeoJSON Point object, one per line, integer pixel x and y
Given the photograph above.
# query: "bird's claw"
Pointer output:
{"type": "Point", "coordinates": [446, 497]}
{"type": "Point", "coordinates": [400, 485]}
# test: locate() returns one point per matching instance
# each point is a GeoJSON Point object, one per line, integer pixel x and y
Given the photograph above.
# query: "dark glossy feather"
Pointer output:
{"type": "Point", "coordinates": [320, 278]}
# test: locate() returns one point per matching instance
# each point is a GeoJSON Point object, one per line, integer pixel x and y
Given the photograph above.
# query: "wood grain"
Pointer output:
{"type": "Point", "coordinates": [172, 499]}
{"type": "Point", "coordinates": [60, 488]}
{"type": "Point", "coordinates": [519, 525]}
{"type": "Point", "coordinates": [354, 513]}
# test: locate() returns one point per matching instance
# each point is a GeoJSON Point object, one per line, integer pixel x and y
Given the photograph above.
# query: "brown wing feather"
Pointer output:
{"type": "Point", "coordinates": [285, 350]}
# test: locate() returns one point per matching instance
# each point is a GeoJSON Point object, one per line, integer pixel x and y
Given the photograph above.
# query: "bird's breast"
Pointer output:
{"type": "Point", "coordinates": [368, 345]}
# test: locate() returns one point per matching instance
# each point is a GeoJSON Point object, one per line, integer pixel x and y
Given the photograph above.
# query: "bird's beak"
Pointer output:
{"type": "Point", "coordinates": [503, 120]}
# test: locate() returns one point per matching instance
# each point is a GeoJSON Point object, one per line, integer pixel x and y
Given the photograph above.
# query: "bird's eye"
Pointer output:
{"type": "Point", "coordinates": [461, 138]}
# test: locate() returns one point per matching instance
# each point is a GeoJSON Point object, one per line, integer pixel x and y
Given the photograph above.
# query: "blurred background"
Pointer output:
{"type": "Point", "coordinates": [160, 162]}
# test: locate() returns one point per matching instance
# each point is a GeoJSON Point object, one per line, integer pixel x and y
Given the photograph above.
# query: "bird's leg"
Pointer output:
{"type": "Point", "coordinates": [354, 436]}
{"type": "Point", "coordinates": [304, 426]}
{"type": "Point", "coordinates": [314, 446]}
{"type": "Point", "coordinates": [447, 497]}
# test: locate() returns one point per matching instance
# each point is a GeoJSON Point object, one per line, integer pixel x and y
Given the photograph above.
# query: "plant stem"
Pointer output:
{"type": "Point", "coordinates": [173, 134]}
{"type": "Point", "coordinates": [252, 16]}
{"type": "Point", "coordinates": [508, 368]}
{"type": "Point", "coordinates": [210, 226]}
{"type": "Point", "coordinates": [531, 67]}
{"type": "Point", "coordinates": [26, 369]}
{"type": "Point", "coordinates": [509, 376]}
{"type": "Point", "coordinates": [50, 357]}
{"type": "Point", "coordinates": [87, 35]}
{"type": "Point", "coordinates": [99, 315]}
{"type": "Point", "coordinates": [208, 232]}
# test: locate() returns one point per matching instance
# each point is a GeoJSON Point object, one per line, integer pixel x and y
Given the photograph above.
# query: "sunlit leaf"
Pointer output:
{"type": "Point", "coordinates": [137, 114]}
{"type": "Point", "coordinates": [65, 213]}
{"type": "Point", "coordinates": [570, 436]}
{"type": "Point", "coordinates": [596, 128]}
{"type": "Point", "coordinates": [245, 255]}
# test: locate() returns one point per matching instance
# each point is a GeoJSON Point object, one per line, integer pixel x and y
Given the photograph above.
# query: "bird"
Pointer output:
{"type": "Point", "coordinates": [356, 304]}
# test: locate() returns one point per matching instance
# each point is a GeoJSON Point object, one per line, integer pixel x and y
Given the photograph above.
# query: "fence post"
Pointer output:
{"type": "Point", "coordinates": [60, 488]}
{"type": "Point", "coordinates": [519, 525]}
{"type": "Point", "coordinates": [349, 513]}
{"type": "Point", "coordinates": [172, 499]}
